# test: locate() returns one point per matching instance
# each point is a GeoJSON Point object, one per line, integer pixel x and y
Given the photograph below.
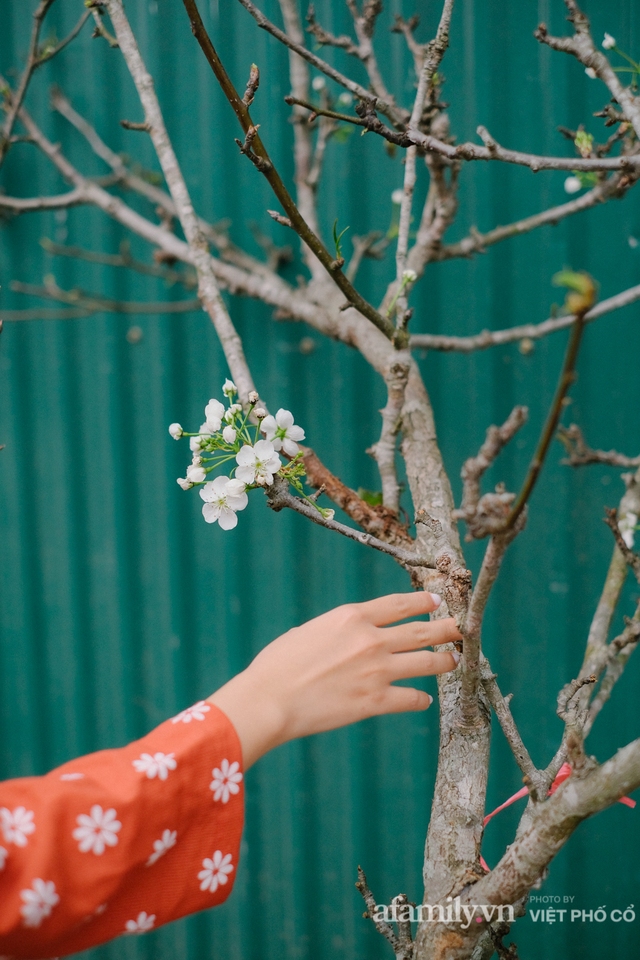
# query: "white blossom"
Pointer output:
{"type": "Point", "coordinates": [215, 871]}
{"type": "Point", "coordinates": [16, 825]}
{"type": "Point", "coordinates": [627, 524]}
{"type": "Point", "coordinates": [397, 196]}
{"type": "Point", "coordinates": [175, 430]}
{"type": "Point", "coordinates": [223, 498]}
{"type": "Point", "coordinates": [196, 474]}
{"type": "Point", "coordinates": [157, 765]}
{"type": "Point", "coordinates": [590, 72]}
{"type": "Point", "coordinates": [231, 412]}
{"type": "Point", "coordinates": [257, 464]}
{"type": "Point", "coordinates": [97, 830]}
{"type": "Point", "coordinates": [3, 857]}
{"type": "Point", "coordinates": [142, 924]}
{"type": "Point", "coordinates": [195, 443]}
{"type": "Point", "coordinates": [254, 396]}
{"type": "Point", "coordinates": [609, 42]}
{"type": "Point", "coordinates": [572, 185]}
{"type": "Point", "coordinates": [345, 98]}
{"type": "Point", "coordinates": [229, 435]}
{"type": "Point", "coordinates": [196, 712]}
{"type": "Point", "coordinates": [229, 388]}
{"type": "Point", "coordinates": [318, 83]}
{"type": "Point", "coordinates": [38, 902]}
{"type": "Point", "coordinates": [184, 483]}
{"type": "Point", "coordinates": [282, 432]}
{"type": "Point", "coordinates": [409, 276]}
{"type": "Point", "coordinates": [214, 412]}
{"type": "Point", "coordinates": [225, 781]}
{"type": "Point", "coordinates": [160, 847]}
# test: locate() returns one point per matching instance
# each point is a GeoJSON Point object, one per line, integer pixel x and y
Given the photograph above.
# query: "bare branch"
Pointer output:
{"type": "Point", "coordinates": [567, 708]}
{"type": "Point", "coordinates": [579, 454]}
{"type": "Point", "coordinates": [631, 559]}
{"type": "Point", "coordinates": [487, 514]}
{"type": "Point", "coordinates": [503, 712]}
{"type": "Point", "coordinates": [384, 451]}
{"type": "Point", "coordinates": [95, 303]}
{"type": "Point", "coordinates": [377, 520]}
{"type": "Point", "coordinates": [16, 100]}
{"type": "Point", "coordinates": [383, 928]}
{"type": "Point", "coordinates": [582, 47]}
{"type": "Point", "coordinates": [476, 242]}
{"type": "Point", "coordinates": [208, 291]}
{"type": "Point", "coordinates": [279, 497]}
{"type": "Point", "coordinates": [258, 151]}
{"type": "Point", "coordinates": [619, 651]}
{"type": "Point", "coordinates": [61, 201]}
{"type": "Point", "coordinates": [123, 259]}
{"type": "Point", "coordinates": [531, 331]}
{"type": "Point", "coordinates": [553, 822]}
{"type": "Point", "coordinates": [395, 114]}
{"type": "Point", "coordinates": [567, 376]}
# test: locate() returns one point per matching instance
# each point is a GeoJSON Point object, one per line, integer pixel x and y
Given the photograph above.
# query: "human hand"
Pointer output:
{"type": "Point", "coordinates": [337, 669]}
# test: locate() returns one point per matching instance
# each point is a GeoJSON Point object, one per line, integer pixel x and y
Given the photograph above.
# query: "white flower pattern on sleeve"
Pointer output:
{"type": "Point", "coordinates": [196, 712]}
{"type": "Point", "coordinates": [38, 902]}
{"type": "Point", "coordinates": [16, 825]}
{"type": "Point", "coordinates": [215, 872]}
{"type": "Point", "coordinates": [97, 830]}
{"type": "Point", "coordinates": [160, 847]}
{"type": "Point", "coordinates": [142, 924]}
{"type": "Point", "coordinates": [225, 780]}
{"type": "Point", "coordinates": [157, 765]}
{"type": "Point", "coordinates": [3, 857]}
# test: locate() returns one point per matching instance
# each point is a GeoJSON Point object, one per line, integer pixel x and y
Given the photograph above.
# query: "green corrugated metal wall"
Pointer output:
{"type": "Point", "coordinates": [119, 605]}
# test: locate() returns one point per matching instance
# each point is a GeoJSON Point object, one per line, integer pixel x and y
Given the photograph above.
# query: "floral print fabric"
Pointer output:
{"type": "Point", "coordinates": [121, 841]}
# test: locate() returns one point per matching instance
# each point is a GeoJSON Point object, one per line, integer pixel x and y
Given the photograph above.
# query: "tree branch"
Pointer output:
{"type": "Point", "coordinates": [256, 150]}
{"type": "Point", "coordinates": [531, 331]}
{"type": "Point", "coordinates": [579, 454]}
{"type": "Point", "coordinates": [278, 497]}
{"type": "Point", "coordinates": [384, 451]}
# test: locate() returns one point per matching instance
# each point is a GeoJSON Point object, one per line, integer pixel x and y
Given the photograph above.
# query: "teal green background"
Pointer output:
{"type": "Point", "coordinates": [119, 606]}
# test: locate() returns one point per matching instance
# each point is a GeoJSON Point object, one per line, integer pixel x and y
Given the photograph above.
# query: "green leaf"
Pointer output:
{"type": "Point", "coordinates": [337, 237]}
{"type": "Point", "coordinates": [372, 497]}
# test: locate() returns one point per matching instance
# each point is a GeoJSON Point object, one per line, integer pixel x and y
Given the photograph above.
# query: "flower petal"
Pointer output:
{"type": "Point", "coordinates": [227, 519]}
{"type": "Point", "coordinates": [211, 512]}
{"type": "Point", "coordinates": [284, 418]}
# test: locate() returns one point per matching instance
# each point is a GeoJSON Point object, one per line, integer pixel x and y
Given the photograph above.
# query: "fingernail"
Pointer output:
{"type": "Point", "coordinates": [430, 699]}
{"type": "Point", "coordinates": [456, 656]}
{"type": "Point", "coordinates": [437, 599]}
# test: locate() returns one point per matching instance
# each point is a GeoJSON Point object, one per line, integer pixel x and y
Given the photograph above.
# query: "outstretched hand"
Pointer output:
{"type": "Point", "coordinates": [337, 669]}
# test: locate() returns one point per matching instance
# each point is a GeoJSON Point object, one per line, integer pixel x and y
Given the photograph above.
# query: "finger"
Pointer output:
{"type": "Point", "coordinates": [398, 606]}
{"type": "Point", "coordinates": [403, 699]}
{"type": "Point", "coordinates": [422, 663]}
{"type": "Point", "coordinates": [409, 636]}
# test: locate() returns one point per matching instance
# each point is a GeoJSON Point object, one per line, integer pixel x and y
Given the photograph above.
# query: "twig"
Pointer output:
{"type": "Point", "coordinates": [510, 730]}
{"type": "Point", "coordinates": [579, 454]}
{"type": "Point", "coordinates": [566, 710]}
{"type": "Point", "coordinates": [267, 168]}
{"type": "Point", "coordinates": [484, 515]}
{"type": "Point", "coordinates": [477, 242]}
{"type": "Point", "coordinates": [130, 125]}
{"type": "Point", "coordinates": [278, 497]}
{"type": "Point", "coordinates": [567, 376]}
{"type": "Point", "coordinates": [631, 559]}
{"type": "Point", "coordinates": [531, 331]}
{"type": "Point", "coordinates": [395, 114]}
{"type": "Point", "coordinates": [16, 100]}
{"type": "Point", "coordinates": [377, 520]}
{"type": "Point", "coordinates": [94, 303]}
{"type": "Point", "coordinates": [122, 259]}
{"type": "Point", "coordinates": [619, 651]}
{"type": "Point", "coordinates": [384, 928]}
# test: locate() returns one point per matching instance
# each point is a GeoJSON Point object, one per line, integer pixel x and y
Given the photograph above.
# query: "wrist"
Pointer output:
{"type": "Point", "coordinates": [256, 715]}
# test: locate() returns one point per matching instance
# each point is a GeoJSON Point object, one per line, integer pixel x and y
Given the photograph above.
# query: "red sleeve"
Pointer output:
{"type": "Point", "coordinates": [121, 841]}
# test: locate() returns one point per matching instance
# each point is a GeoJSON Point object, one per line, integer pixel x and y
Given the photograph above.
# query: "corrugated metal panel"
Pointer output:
{"type": "Point", "coordinates": [119, 606]}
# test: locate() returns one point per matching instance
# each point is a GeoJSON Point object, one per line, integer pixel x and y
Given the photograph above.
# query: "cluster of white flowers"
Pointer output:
{"type": "Point", "coordinates": [251, 438]}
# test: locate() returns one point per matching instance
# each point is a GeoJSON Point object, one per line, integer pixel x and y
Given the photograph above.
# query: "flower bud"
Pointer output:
{"type": "Point", "coordinates": [572, 185]}
{"type": "Point", "coordinates": [196, 474]}
{"type": "Point", "coordinates": [185, 484]}
{"type": "Point", "coordinates": [175, 430]}
{"type": "Point", "coordinates": [229, 388]}
{"type": "Point", "coordinates": [229, 435]}
{"type": "Point", "coordinates": [254, 396]}
{"type": "Point", "coordinates": [260, 413]}
{"type": "Point", "coordinates": [409, 276]}
{"type": "Point", "coordinates": [609, 42]}
{"type": "Point", "coordinates": [318, 83]}
{"type": "Point", "coordinates": [396, 196]}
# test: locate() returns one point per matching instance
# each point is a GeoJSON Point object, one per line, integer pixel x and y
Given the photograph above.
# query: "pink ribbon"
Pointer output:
{"type": "Point", "coordinates": [563, 773]}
